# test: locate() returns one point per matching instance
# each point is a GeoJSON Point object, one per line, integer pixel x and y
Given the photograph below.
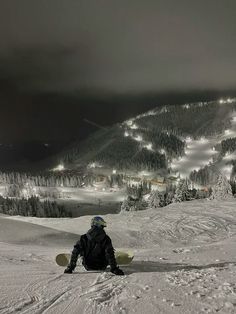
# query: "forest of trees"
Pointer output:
{"type": "Point", "coordinates": [204, 176]}
{"type": "Point", "coordinates": [171, 144]}
{"type": "Point", "coordinates": [195, 120]}
{"type": "Point", "coordinates": [228, 146]}
{"type": "Point", "coordinates": [127, 154]}
{"type": "Point", "coordinates": [140, 199]}
{"type": "Point", "coordinates": [48, 179]}
{"type": "Point", "coordinates": [32, 207]}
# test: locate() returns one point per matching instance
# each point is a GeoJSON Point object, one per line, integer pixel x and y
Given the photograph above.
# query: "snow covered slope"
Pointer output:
{"type": "Point", "coordinates": [184, 263]}
{"type": "Point", "coordinates": [175, 138]}
{"type": "Point", "coordinates": [19, 232]}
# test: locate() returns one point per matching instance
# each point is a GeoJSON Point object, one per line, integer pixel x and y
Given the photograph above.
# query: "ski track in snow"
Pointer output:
{"type": "Point", "coordinates": [184, 263]}
{"type": "Point", "coordinates": [64, 294]}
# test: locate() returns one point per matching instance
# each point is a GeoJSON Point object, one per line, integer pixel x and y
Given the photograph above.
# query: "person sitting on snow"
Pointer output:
{"type": "Point", "coordinates": [96, 250]}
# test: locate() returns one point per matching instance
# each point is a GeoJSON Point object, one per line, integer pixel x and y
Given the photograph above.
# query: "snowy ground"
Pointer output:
{"type": "Point", "coordinates": [91, 201]}
{"type": "Point", "coordinates": [92, 195]}
{"type": "Point", "coordinates": [185, 262]}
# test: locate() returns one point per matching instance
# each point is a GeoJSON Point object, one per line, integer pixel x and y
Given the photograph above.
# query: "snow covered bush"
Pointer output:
{"type": "Point", "coordinates": [222, 189]}
{"type": "Point", "coordinates": [131, 204]}
{"type": "Point", "coordinates": [182, 192]}
{"type": "Point", "coordinates": [154, 199]}
{"type": "Point", "coordinates": [233, 187]}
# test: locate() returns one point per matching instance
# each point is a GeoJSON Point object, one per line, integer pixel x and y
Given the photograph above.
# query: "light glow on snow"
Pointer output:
{"type": "Point", "coordinates": [134, 127]}
{"type": "Point", "coordinates": [164, 110]}
{"type": "Point", "coordinates": [203, 140]}
{"type": "Point", "coordinates": [94, 165]}
{"type": "Point", "coordinates": [227, 101]}
{"type": "Point", "coordinates": [145, 173]}
{"type": "Point", "coordinates": [148, 146]}
{"type": "Point", "coordinates": [230, 132]}
{"type": "Point", "coordinates": [129, 122]}
{"type": "Point", "coordinates": [24, 191]}
{"type": "Point", "coordinates": [188, 139]}
{"type": "Point", "coordinates": [230, 156]}
{"type": "Point", "coordinates": [227, 171]}
{"type": "Point", "coordinates": [138, 138]}
{"type": "Point", "coordinates": [60, 167]}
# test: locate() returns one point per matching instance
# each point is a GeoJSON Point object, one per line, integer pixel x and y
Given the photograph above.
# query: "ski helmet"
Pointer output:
{"type": "Point", "coordinates": [98, 222]}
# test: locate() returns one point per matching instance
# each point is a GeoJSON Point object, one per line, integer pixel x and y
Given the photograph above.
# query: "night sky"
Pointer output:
{"type": "Point", "coordinates": [63, 61]}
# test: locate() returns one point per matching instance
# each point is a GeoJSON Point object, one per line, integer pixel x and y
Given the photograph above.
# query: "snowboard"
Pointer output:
{"type": "Point", "coordinates": [122, 258]}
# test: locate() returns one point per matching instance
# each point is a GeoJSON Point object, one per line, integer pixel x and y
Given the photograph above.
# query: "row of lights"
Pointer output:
{"type": "Point", "coordinates": [226, 101]}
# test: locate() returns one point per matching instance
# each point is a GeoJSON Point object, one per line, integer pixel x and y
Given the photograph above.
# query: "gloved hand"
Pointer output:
{"type": "Point", "coordinates": [68, 270]}
{"type": "Point", "coordinates": [117, 271]}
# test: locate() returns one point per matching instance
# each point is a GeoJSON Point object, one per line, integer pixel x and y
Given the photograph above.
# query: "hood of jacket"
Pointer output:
{"type": "Point", "coordinates": [96, 234]}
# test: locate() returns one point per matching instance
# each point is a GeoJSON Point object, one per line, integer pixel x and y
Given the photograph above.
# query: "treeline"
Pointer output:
{"type": "Point", "coordinates": [115, 180]}
{"type": "Point", "coordinates": [32, 207]}
{"type": "Point", "coordinates": [200, 119]}
{"type": "Point", "coordinates": [126, 153]}
{"type": "Point", "coordinates": [228, 146]}
{"type": "Point", "coordinates": [171, 144]}
{"type": "Point", "coordinates": [204, 176]}
{"type": "Point", "coordinates": [48, 179]}
{"type": "Point", "coordinates": [209, 174]}
{"type": "Point", "coordinates": [154, 199]}
{"type": "Point", "coordinates": [141, 199]}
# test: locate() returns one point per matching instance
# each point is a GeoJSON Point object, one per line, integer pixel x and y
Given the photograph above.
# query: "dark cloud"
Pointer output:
{"type": "Point", "coordinates": [61, 61]}
{"type": "Point", "coordinates": [127, 45]}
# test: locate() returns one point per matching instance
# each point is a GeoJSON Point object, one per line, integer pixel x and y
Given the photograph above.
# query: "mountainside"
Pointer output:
{"type": "Point", "coordinates": [176, 139]}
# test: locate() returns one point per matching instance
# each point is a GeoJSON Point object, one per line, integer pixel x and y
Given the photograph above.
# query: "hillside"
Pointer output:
{"type": "Point", "coordinates": [168, 140]}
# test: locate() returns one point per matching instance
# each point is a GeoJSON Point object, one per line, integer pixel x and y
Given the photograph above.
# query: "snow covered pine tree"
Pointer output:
{"type": "Point", "coordinates": [222, 189]}
{"type": "Point", "coordinates": [182, 193]}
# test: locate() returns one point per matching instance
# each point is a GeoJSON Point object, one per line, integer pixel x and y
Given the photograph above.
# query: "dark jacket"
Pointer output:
{"type": "Point", "coordinates": [96, 250]}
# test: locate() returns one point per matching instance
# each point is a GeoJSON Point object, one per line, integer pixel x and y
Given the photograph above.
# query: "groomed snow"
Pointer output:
{"type": "Point", "coordinates": [185, 262]}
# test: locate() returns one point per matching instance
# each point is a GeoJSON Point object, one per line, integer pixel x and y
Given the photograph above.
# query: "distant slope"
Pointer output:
{"type": "Point", "coordinates": [163, 138]}
{"type": "Point", "coordinates": [18, 232]}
